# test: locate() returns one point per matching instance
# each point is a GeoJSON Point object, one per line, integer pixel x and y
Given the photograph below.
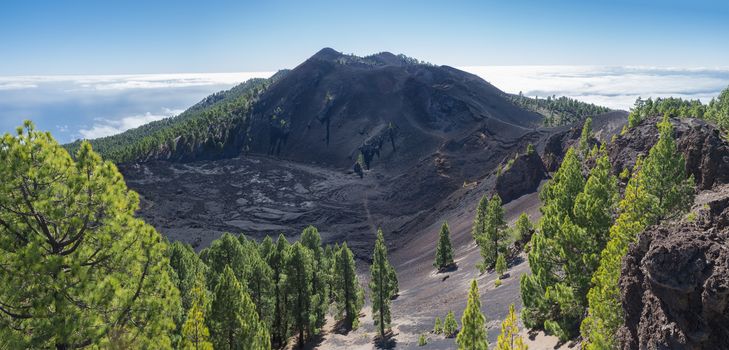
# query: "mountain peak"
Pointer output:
{"type": "Point", "coordinates": [327, 54]}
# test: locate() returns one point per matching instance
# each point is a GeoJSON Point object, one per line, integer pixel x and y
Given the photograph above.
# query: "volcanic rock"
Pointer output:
{"type": "Point", "coordinates": [520, 176]}
{"type": "Point", "coordinates": [675, 282]}
{"type": "Point", "coordinates": [706, 153]}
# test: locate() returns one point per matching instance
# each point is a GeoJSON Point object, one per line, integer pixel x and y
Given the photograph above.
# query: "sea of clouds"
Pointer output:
{"type": "Point", "coordinates": [614, 87]}
{"type": "Point", "coordinates": [91, 106]}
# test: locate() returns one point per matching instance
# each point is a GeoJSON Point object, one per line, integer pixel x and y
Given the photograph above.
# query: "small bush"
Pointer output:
{"type": "Point", "coordinates": [422, 340]}
{"type": "Point", "coordinates": [498, 283]}
{"type": "Point", "coordinates": [500, 265]}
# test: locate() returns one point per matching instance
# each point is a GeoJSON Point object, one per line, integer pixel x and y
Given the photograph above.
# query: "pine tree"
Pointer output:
{"type": "Point", "coordinates": [311, 239]}
{"type": "Point", "coordinates": [224, 251]}
{"type": "Point", "coordinates": [299, 277]}
{"type": "Point", "coordinates": [548, 295]}
{"type": "Point", "coordinates": [347, 292]}
{"type": "Point", "coordinates": [500, 265]}
{"type": "Point", "coordinates": [669, 184]}
{"type": "Point", "coordinates": [479, 220]}
{"type": "Point", "coordinates": [422, 341]}
{"type": "Point", "coordinates": [450, 325]}
{"type": "Point", "coordinates": [259, 279]}
{"type": "Point", "coordinates": [195, 334]}
{"type": "Point", "coordinates": [473, 328]}
{"type": "Point", "coordinates": [381, 285]}
{"type": "Point", "coordinates": [233, 321]}
{"type": "Point", "coordinates": [444, 250]}
{"type": "Point", "coordinates": [509, 339]}
{"type": "Point", "coordinates": [585, 137]}
{"type": "Point", "coordinates": [189, 271]}
{"type": "Point", "coordinates": [330, 252]}
{"type": "Point", "coordinates": [73, 254]}
{"type": "Point", "coordinates": [278, 260]}
{"type": "Point", "coordinates": [438, 328]}
{"type": "Point", "coordinates": [492, 241]}
{"type": "Point", "coordinates": [651, 195]}
{"type": "Point", "coordinates": [266, 247]}
{"type": "Point", "coordinates": [593, 210]}
{"type": "Point", "coordinates": [523, 228]}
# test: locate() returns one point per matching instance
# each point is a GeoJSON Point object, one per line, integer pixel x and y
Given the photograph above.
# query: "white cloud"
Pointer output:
{"type": "Point", "coordinates": [16, 85]}
{"type": "Point", "coordinates": [615, 87]}
{"type": "Point", "coordinates": [130, 81]}
{"type": "Point", "coordinates": [108, 127]}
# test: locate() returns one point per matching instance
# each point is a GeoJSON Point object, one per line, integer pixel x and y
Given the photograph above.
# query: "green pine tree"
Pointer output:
{"type": "Point", "coordinates": [479, 221]}
{"type": "Point", "coordinates": [450, 325]}
{"type": "Point", "coordinates": [523, 228]}
{"type": "Point", "coordinates": [658, 188]}
{"type": "Point", "coordinates": [259, 279]}
{"type": "Point", "coordinates": [548, 303]}
{"type": "Point", "coordinates": [224, 251]}
{"type": "Point", "coordinates": [311, 239]}
{"type": "Point", "coordinates": [500, 265]}
{"type": "Point", "coordinates": [444, 249]}
{"type": "Point", "coordinates": [266, 247]}
{"type": "Point", "coordinates": [382, 286]}
{"type": "Point", "coordinates": [347, 292]}
{"type": "Point", "coordinates": [233, 320]}
{"type": "Point", "coordinates": [78, 268]}
{"type": "Point", "coordinates": [189, 272]}
{"type": "Point", "coordinates": [195, 334]}
{"type": "Point", "coordinates": [438, 328]}
{"type": "Point", "coordinates": [330, 252]}
{"type": "Point", "coordinates": [473, 328]}
{"type": "Point", "coordinates": [668, 181]}
{"type": "Point", "coordinates": [492, 241]}
{"type": "Point", "coordinates": [278, 261]}
{"type": "Point", "coordinates": [585, 137]}
{"type": "Point", "coordinates": [299, 277]}
{"type": "Point", "coordinates": [509, 339]}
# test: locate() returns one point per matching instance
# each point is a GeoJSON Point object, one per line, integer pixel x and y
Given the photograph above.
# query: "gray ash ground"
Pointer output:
{"type": "Point", "coordinates": [195, 202]}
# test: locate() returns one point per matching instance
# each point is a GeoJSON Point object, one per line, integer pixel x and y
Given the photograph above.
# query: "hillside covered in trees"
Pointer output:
{"type": "Point", "coordinates": [716, 111]}
{"type": "Point", "coordinates": [200, 131]}
{"type": "Point", "coordinates": [558, 111]}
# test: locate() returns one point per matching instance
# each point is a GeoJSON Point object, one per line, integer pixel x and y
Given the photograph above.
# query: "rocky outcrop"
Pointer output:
{"type": "Point", "coordinates": [520, 176]}
{"type": "Point", "coordinates": [706, 153]}
{"type": "Point", "coordinates": [675, 282]}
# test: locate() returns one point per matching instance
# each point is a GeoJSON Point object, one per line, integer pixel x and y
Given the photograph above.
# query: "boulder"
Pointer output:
{"type": "Point", "coordinates": [520, 177]}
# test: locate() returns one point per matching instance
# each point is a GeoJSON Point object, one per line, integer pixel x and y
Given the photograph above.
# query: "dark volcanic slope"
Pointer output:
{"type": "Point", "coordinates": [425, 131]}
{"type": "Point", "coordinates": [333, 106]}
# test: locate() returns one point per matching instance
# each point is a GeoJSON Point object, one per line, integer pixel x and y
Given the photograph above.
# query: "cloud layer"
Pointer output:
{"type": "Point", "coordinates": [129, 81]}
{"type": "Point", "coordinates": [614, 87]}
{"type": "Point", "coordinates": [107, 127]}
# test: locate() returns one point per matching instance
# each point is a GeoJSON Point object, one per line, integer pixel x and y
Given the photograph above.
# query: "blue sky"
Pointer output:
{"type": "Point", "coordinates": [122, 37]}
